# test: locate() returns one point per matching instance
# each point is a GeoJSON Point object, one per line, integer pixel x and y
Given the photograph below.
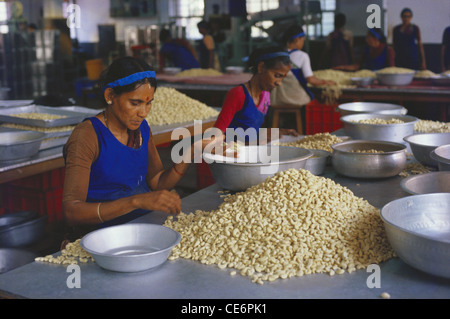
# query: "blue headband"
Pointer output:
{"type": "Point", "coordinates": [271, 56]}
{"type": "Point", "coordinates": [302, 34]}
{"type": "Point", "coordinates": [375, 33]}
{"type": "Point", "coordinates": [131, 79]}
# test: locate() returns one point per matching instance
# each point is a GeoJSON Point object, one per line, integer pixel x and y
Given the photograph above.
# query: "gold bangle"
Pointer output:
{"type": "Point", "coordinates": [98, 213]}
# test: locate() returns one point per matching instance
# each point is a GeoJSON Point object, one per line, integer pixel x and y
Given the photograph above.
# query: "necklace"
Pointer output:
{"type": "Point", "coordinates": [106, 119]}
{"type": "Point", "coordinates": [251, 90]}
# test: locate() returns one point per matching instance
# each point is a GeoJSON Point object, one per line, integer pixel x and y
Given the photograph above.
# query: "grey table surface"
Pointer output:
{"type": "Point", "coordinates": [187, 279]}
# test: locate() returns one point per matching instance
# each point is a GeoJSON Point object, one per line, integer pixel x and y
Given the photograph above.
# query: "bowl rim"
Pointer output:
{"type": "Point", "coordinates": [344, 106]}
{"type": "Point", "coordinates": [27, 223]}
{"type": "Point", "coordinates": [404, 181]}
{"type": "Point", "coordinates": [303, 157]}
{"type": "Point", "coordinates": [36, 137]}
{"type": "Point", "coordinates": [440, 157]}
{"type": "Point", "coordinates": [402, 147]}
{"type": "Point", "coordinates": [383, 218]}
{"type": "Point", "coordinates": [95, 253]}
{"type": "Point", "coordinates": [409, 119]}
{"type": "Point", "coordinates": [411, 136]}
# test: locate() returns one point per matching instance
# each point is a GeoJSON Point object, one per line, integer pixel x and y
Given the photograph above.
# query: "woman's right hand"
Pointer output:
{"type": "Point", "coordinates": [164, 200]}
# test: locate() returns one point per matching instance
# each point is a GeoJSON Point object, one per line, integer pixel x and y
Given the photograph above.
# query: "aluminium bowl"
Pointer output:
{"type": "Point", "coordinates": [12, 219]}
{"type": "Point", "coordinates": [130, 247]}
{"type": "Point", "coordinates": [349, 163]}
{"type": "Point", "coordinates": [371, 107]}
{"type": "Point", "coordinates": [395, 79]}
{"type": "Point", "coordinates": [433, 182]}
{"type": "Point", "coordinates": [23, 234]}
{"type": "Point", "coordinates": [317, 162]}
{"type": "Point", "coordinates": [379, 132]}
{"type": "Point", "coordinates": [441, 155]}
{"type": "Point", "coordinates": [362, 81]}
{"type": "Point", "coordinates": [18, 145]}
{"type": "Point", "coordinates": [422, 144]}
{"type": "Point", "coordinates": [254, 164]}
{"type": "Point", "coordinates": [418, 229]}
{"type": "Point", "coordinates": [12, 258]}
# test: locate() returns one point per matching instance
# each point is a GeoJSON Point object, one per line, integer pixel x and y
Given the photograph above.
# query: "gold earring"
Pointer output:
{"type": "Point", "coordinates": [110, 102]}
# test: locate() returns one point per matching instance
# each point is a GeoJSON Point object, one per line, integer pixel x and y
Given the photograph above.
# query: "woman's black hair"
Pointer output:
{"type": "Point", "coordinates": [380, 34]}
{"type": "Point", "coordinates": [123, 67]}
{"type": "Point", "coordinates": [339, 20]}
{"type": "Point", "coordinates": [164, 35]}
{"type": "Point", "coordinates": [292, 31]}
{"type": "Point", "coordinates": [269, 63]}
{"type": "Point", "coordinates": [406, 10]}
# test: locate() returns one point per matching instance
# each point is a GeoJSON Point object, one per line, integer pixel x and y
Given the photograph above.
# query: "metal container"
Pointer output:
{"type": "Point", "coordinates": [130, 247]}
{"type": "Point", "coordinates": [422, 145]}
{"type": "Point", "coordinates": [379, 132]}
{"type": "Point", "coordinates": [172, 71]}
{"type": "Point", "coordinates": [418, 229]}
{"type": "Point", "coordinates": [317, 163]}
{"type": "Point", "coordinates": [395, 79]}
{"type": "Point", "coordinates": [371, 107]}
{"type": "Point", "coordinates": [254, 164]}
{"type": "Point", "coordinates": [11, 258]}
{"type": "Point", "coordinates": [8, 220]}
{"type": "Point", "coordinates": [23, 234]}
{"type": "Point", "coordinates": [349, 163]}
{"type": "Point", "coordinates": [362, 81]}
{"type": "Point", "coordinates": [434, 182]}
{"type": "Point", "coordinates": [442, 80]}
{"type": "Point", "coordinates": [441, 155]}
{"type": "Point", "coordinates": [17, 145]}
{"type": "Point", "coordinates": [234, 69]}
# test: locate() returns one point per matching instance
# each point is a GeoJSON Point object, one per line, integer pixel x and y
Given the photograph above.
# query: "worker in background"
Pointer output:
{"type": "Point", "coordinates": [246, 105]}
{"type": "Point", "coordinates": [376, 55]}
{"type": "Point", "coordinates": [445, 50]}
{"type": "Point", "coordinates": [407, 42]}
{"type": "Point", "coordinates": [207, 55]}
{"type": "Point", "coordinates": [339, 44]}
{"type": "Point", "coordinates": [176, 52]}
{"type": "Point", "coordinates": [295, 89]}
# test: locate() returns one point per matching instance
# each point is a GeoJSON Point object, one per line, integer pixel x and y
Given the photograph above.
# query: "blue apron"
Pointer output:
{"type": "Point", "coordinates": [376, 63]}
{"type": "Point", "coordinates": [301, 78]}
{"type": "Point", "coordinates": [119, 170]}
{"type": "Point", "coordinates": [180, 56]}
{"type": "Point", "coordinates": [249, 116]}
{"type": "Point", "coordinates": [406, 49]}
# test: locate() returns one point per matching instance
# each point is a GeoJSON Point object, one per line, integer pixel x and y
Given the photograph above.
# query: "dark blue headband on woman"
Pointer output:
{"type": "Point", "coordinates": [269, 56]}
{"type": "Point", "coordinates": [131, 79]}
{"type": "Point", "coordinates": [301, 34]}
{"type": "Point", "coordinates": [376, 34]}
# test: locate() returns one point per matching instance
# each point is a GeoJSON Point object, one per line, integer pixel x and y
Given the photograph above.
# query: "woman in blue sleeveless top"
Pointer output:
{"type": "Point", "coordinates": [376, 55]}
{"type": "Point", "coordinates": [113, 171]}
{"type": "Point", "coordinates": [407, 42]}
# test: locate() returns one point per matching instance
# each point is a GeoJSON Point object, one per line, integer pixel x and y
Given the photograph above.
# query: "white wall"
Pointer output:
{"type": "Point", "coordinates": [431, 16]}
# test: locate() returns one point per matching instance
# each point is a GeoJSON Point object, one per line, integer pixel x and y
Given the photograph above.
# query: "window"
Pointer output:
{"type": "Point", "coordinates": [254, 6]}
{"type": "Point", "coordinates": [3, 17]}
{"type": "Point", "coordinates": [187, 13]}
{"type": "Point", "coordinates": [322, 29]}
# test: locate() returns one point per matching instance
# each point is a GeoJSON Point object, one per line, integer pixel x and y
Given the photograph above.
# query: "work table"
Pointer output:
{"type": "Point", "coordinates": [188, 279]}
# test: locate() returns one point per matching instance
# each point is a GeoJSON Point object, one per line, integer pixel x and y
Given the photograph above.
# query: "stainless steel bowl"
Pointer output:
{"type": "Point", "coordinates": [434, 182]}
{"type": "Point", "coordinates": [19, 144]}
{"type": "Point", "coordinates": [362, 81]}
{"type": "Point", "coordinates": [368, 165]}
{"type": "Point", "coordinates": [422, 145]}
{"type": "Point", "coordinates": [441, 155]}
{"type": "Point", "coordinates": [11, 219]}
{"type": "Point", "coordinates": [11, 258]}
{"type": "Point", "coordinates": [130, 247]}
{"type": "Point", "coordinates": [23, 234]}
{"type": "Point", "coordinates": [371, 107]}
{"type": "Point", "coordinates": [317, 163]}
{"type": "Point", "coordinates": [418, 229]}
{"type": "Point", "coordinates": [395, 79]}
{"type": "Point", "coordinates": [254, 165]}
{"type": "Point", "coordinates": [379, 132]}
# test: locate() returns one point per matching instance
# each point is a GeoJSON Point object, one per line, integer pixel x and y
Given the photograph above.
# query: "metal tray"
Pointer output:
{"type": "Point", "coordinates": [53, 142]}
{"type": "Point", "coordinates": [443, 80]}
{"type": "Point", "coordinates": [72, 118]}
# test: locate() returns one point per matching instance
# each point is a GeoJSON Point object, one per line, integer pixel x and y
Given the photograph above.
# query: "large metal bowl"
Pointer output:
{"type": "Point", "coordinates": [441, 155]}
{"type": "Point", "coordinates": [23, 234]}
{"type": "Point", "coordinates": [395, 79]}
{"type": "Point", "coordinates": [434, 182]}
{"type": "Point", "coordinates": [368, 165]}
{"type": "Point", "coordinates": [418, 229]}
{"type": "Point", "coordinates": [12, 258]}
{"type": "Point", "coordinates": [422, 145]}
{"type": "Point", "coordinates": [254, 164]}
{"type": "Point", "coordinates": [130, 247]}
{"type": "Point", "coordinates": [317, 163]}
{"type": "Point", "coordinates": [379, 132]}
{"type": "Point", "coordinates": [361, 81]}
{"type": "Point", "coordinates": [371, 107]}
{"type": "Point", "coordinates": [16, 145]}
{"type": "Point", "coordinates": [12, 219]}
